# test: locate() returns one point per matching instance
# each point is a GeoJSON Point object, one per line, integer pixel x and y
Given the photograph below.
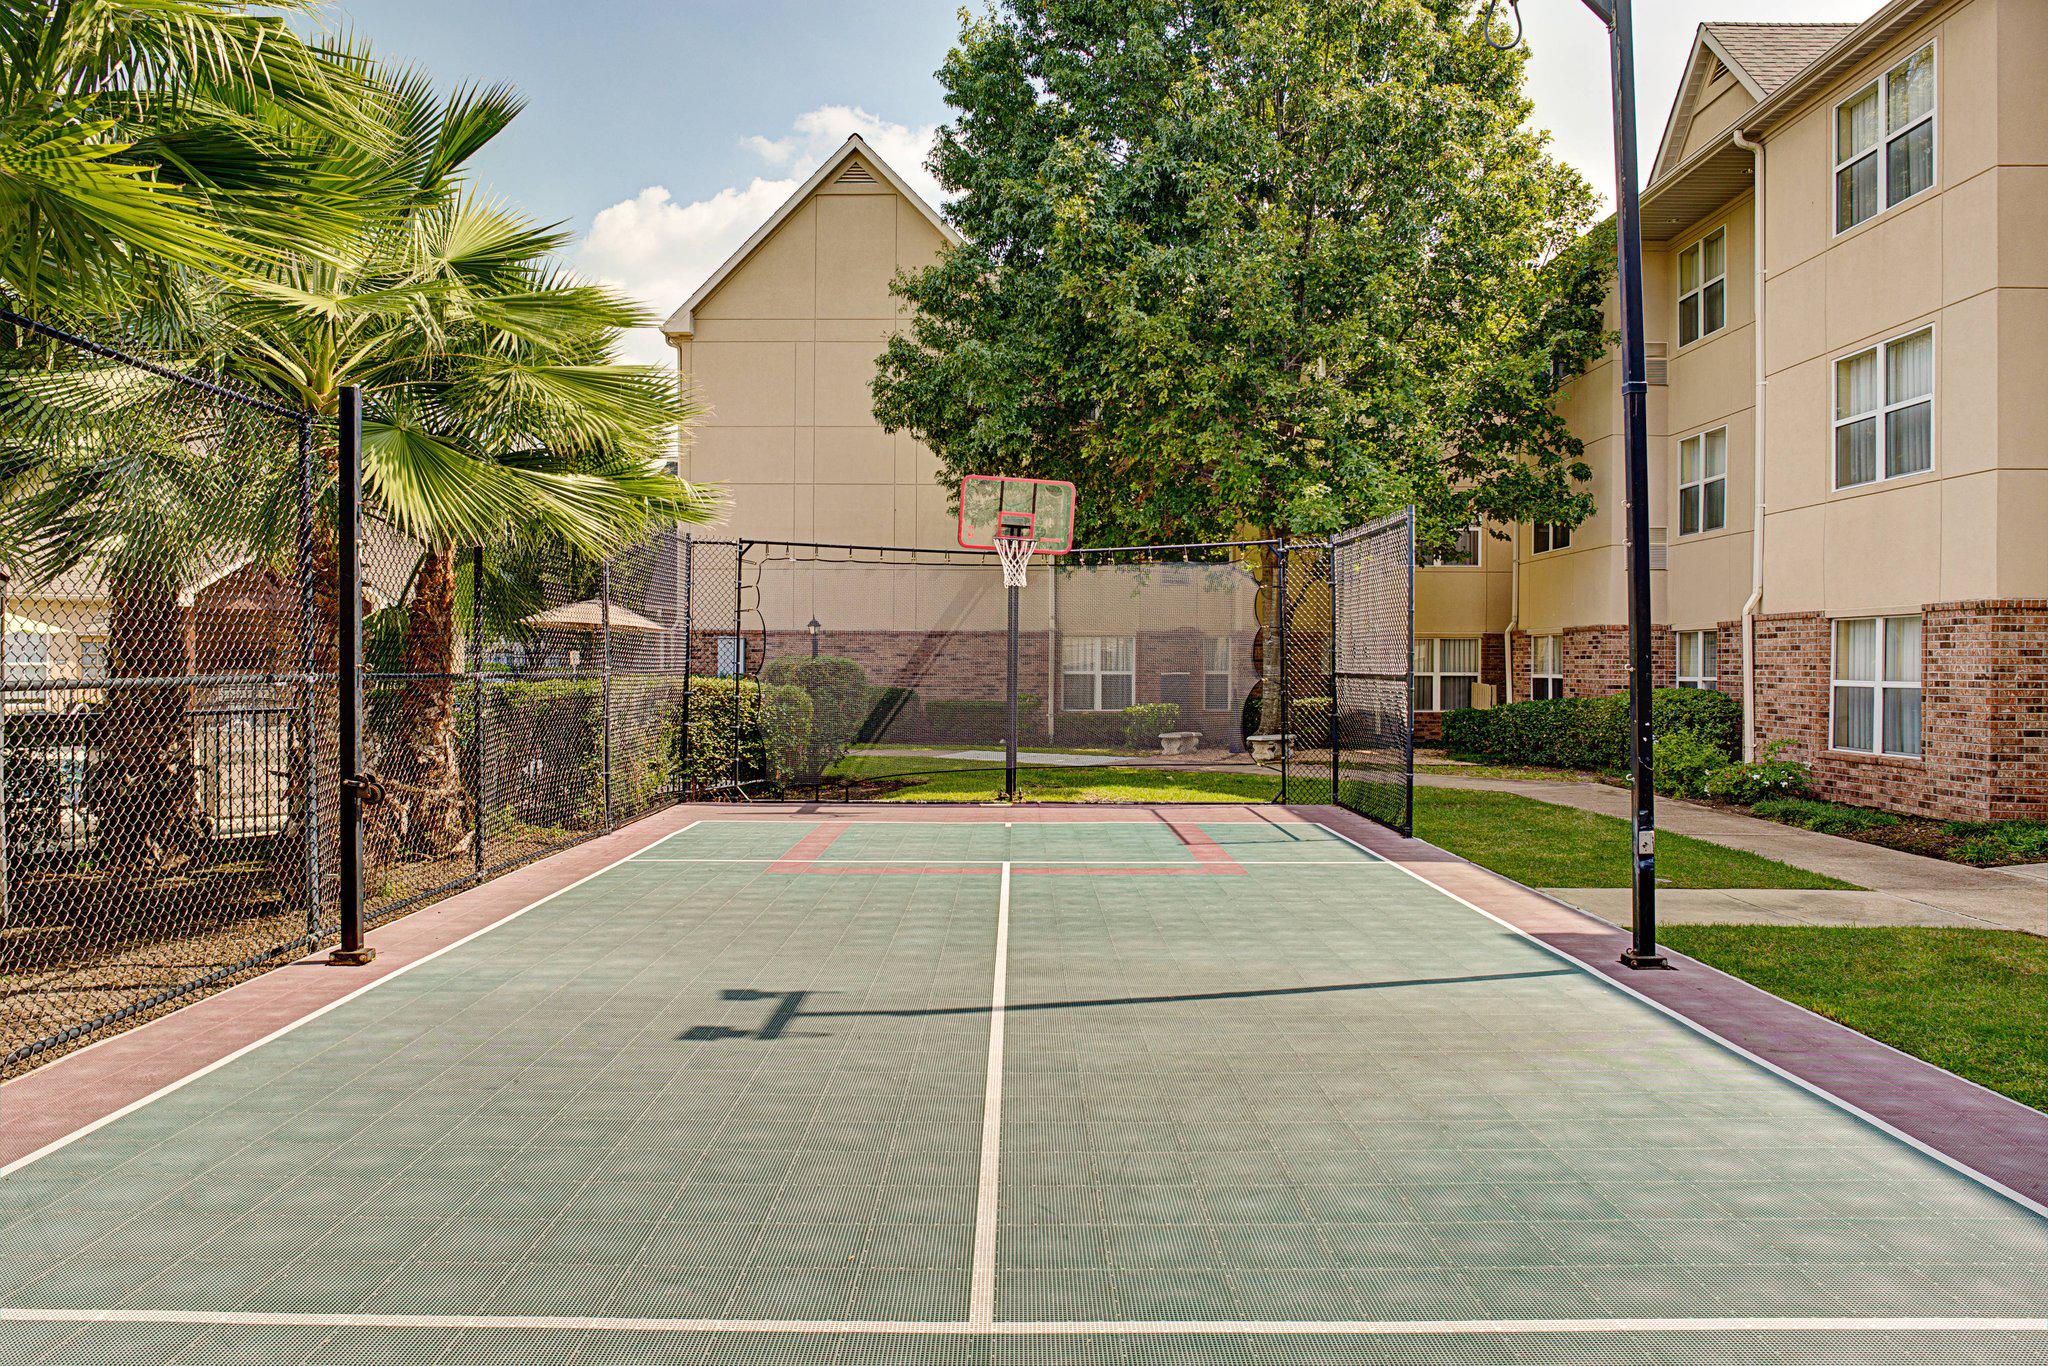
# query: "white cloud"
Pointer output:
{"type": "Point", "coordinates": [659, 251]}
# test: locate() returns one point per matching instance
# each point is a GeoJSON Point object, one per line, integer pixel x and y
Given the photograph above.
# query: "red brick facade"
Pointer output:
{"type": "Point", "coordinates": [1596, 659]}
{"type": "Point", "coordinates": [1984, 712]}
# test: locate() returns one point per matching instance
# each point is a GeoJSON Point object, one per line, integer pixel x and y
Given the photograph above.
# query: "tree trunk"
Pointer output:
{"type": "Point", "coordinates": [1272, 661]}
{"type": "Point", "coordinates": [143, 787]}
{"type": "Point", "coordinates": [426, 811]}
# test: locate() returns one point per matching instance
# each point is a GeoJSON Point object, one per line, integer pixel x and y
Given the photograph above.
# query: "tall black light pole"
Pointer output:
{"type": "Point", "coordinates": [1635, 398]}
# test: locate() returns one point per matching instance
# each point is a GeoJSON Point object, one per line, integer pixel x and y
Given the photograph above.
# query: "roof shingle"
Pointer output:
{"type": "Point", "coordinates": [1772, 54]}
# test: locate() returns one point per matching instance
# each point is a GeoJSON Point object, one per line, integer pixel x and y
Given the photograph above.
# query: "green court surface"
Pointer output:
{"type": "Point", "coordinates": [1220, 1089]}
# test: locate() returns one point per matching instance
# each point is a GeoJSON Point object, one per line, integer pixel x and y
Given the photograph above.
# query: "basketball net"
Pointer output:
{"type": "Point", "coordinates": [1015, 553]}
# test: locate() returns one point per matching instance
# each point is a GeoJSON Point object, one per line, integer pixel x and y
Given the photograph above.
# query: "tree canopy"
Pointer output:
{"type": "Point", "coordinates": [1229, 264]}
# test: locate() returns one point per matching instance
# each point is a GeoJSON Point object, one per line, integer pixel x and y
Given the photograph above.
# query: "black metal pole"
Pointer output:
{"type": "Point", "coordinates": [1635, 398]}
{"type": "Point", "coordinates": [689, 645]}
{"type": "Point", "coordinates": [1010, 690]}
{"type": "Point", "coordinates": [1330, 576]}
{"type": "Point", "coordinates": [1279, 624]}
{"type": "Point", "coordinates": [352, 952]}
{"type": "Point", "coordinates": [476, 704]}
{"type": "Point", "coordinates": [604, 618]}
{"type": "Point", "coordinates": [309, 680]}
{"type": "Point", "coordinates": [1408, 692]}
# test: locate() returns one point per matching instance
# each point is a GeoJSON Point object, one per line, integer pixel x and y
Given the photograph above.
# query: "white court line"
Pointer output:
{"type": "Point", "coordinates": [981, 1298]}
{"type": "Point", "coordinates": [1039, 1328]}
{"type": "Point", "coordinates": [132, 1106]}
{"type": "Point", "coordinates": [1849, 1107]}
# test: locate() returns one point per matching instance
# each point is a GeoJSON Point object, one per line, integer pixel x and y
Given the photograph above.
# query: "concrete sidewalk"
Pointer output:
{"type": "Point", "coordinates": [1902, 889]}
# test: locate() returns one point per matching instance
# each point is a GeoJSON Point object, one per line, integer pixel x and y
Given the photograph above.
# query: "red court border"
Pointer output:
{"type": "Point", "coordinates": [1979, 1129]}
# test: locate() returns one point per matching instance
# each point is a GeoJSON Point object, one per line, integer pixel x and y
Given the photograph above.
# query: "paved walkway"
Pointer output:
{"type": "Point", "coordinates": [1902, 889]}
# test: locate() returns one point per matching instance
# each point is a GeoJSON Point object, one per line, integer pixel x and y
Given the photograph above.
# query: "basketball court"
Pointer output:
{"type": "Point", "coordinates": [975, 1084]}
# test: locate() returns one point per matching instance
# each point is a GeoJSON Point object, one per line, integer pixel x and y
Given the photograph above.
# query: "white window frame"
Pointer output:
{"type": "Point", "coordinates": [1435, 674]}
{"type": "Point", "coordinates": [1081, 657]}
{"type": "Point", "coordinates": [1883, 687]}
{"type": "Point", "coordinates": [1551, 532]}
{"type": "Point", "coordinates": [30, 658]}
{"type": "Point", "coordinates": [1698, 442]}
{"type": "Point", "coordinates": [1471, 536]}
{"type": "Point", "coordinates": [1699, 291]}
{"type": "Point", "coordinates": [1539, 675]}
{"type": "Point", "coordinates": [1886, 136]}
{"type": "Point", "coordinates": [1707, 643]}
{"type": "Point", "coordinates": [1886, 406]}
{"type": "Point", "coordinates": [1212, 646]}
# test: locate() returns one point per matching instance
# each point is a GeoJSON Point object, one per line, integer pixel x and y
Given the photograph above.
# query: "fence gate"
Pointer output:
{"type": "Point", "coordinates": [1373, 653]}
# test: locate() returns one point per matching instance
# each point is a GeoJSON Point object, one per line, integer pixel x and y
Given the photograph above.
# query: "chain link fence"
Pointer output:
{"type": "Point", "coordinates": [172, 661]}
{"type": "Point", "coordinates": [161, 687]}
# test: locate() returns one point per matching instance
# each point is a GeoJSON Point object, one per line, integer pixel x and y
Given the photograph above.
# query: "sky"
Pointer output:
{"type": "Point", "coordinates": [662, 132]}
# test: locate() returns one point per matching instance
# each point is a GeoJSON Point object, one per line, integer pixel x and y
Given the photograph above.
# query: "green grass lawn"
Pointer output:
{"type": "Point", "coordinates": [1543, 845]}
{"type": "Point", "coordinates": [1073, 784]}
{"type": "Point", "coordinates": [1518, 772]}
{"type": "Point", "coordinates": [1966, 1000]}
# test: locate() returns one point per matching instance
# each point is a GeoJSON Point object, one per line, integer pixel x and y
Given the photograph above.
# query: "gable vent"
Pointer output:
{"type": "Point", "coordinates": [1656, 364]}
{"type": "Point", "coordinates": [856, 174]}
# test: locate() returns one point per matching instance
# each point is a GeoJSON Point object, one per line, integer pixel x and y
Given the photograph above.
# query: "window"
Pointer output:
{"type": "Point", "coordinates": [1464, 550]}
{"type": "Point", "coordinates": [1098, 673]}
{"type": "Point", "coordinates": [1546, 667]}
{"type": "Point", "coordinates": [1884, 411]}
{"type": "Point", "coordinates": [1546, 536]}
{"type": "Point", "coordinates": [28, 656]}
{"type": "Point", "coordinates": [92, 657]}
{"type": "Point", "coordinates": [1897, 112]}
{"type": "Point", "coordinates": [732, 656]}
{"type": "Point", "coordinates": [1703, 482]}
{"type": "Point", "coordinates": [1877, 685]}
{"type": "Point", "coordinates": [1699, 659]}
{"type": "Point", "coordinates": [1216, 683]}
{"type": "Point", "coordinates": [1445, 671]}
{"type": "Point", "coordinates": [1703, 287]}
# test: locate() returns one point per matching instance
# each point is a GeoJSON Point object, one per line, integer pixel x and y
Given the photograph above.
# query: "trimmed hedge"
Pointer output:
{"type": "Point", "coordinates": [840, 698]}
{"type": "Point", "coordinates": [977, 721]}
{"type": "Point", "coordinates": [769, 744]}
{"type": "Point", "coordinates": [1588, 732]}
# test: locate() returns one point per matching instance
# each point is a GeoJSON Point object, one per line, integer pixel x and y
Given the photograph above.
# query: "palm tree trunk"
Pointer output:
{"type": "Point", "coordinates": [426, 811]}
{"type": "Point", "coordinates": [143, 788]}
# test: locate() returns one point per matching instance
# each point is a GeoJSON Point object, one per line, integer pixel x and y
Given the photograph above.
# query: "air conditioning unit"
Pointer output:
{"type": "Point", "coordinates": [1484, 695]}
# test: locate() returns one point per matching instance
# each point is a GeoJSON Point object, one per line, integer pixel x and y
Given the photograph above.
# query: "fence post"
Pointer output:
{"type": "Point", "coordinates": [689, 645]}
{"type": "Point", "coordinates": [604, 621]}
{"type": "Point", "coordinates": [1330, 576]}
{"type": "Point", "coordinates": [481, 761]}
{"type": "Point", "coordinates": [1408, 772]}
{"type": "Point", "coordinates": [1286, 690]}
{"type": "Point", "coordinates": [352, 952]}
{"type": "Point", "coordinates": [309, 680]}
{"type": "Point", "coordinates": [6, 903]}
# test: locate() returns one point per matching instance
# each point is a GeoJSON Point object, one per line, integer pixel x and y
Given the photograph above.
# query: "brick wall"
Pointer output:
{"type": "Point", "coordinates": [1984, 712]}
{"type": "Point", "coordinates": [1596, 659]}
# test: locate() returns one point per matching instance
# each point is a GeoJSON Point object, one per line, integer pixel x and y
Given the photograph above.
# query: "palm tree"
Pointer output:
{"type": "Point", "coordinates": [495, 406]}
{"type": "Point", "coordinates": [141, 138]}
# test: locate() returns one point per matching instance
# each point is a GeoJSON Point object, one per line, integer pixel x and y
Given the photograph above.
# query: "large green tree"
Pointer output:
{"type": "Point", "coordinates": [1250, 264]}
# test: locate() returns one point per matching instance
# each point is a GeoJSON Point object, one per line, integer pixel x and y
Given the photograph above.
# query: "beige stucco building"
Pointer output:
{"type": "Point", "coordinates": [1847, 307]}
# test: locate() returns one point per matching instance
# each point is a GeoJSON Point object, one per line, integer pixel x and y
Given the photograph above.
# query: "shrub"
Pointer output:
{"type": "Point", "coordinates": [1767, 777]}
{"type": "Point", "coordinates": [1715, 717]}
{"type": "Point", "coordinates": [892, 712]}
{"type": "Point", "coordinates": [1309, 719]}
{"type": "Point", "coordinates": [840, 699]}
{"type": "Point", "coordinates": [1682, 761]}
{"type": "Point", "coordinates": [1992, 842]}
{"type": "Point", "coordinates": [1829, 818]}
{"type": "Point", "coordinates": [976, 720]}
{"type": "Point", "coordinates": [1588, 732]}
{"type": "Point", "coordinates": [35, 800]}
{"type": "Point", "coordinates": [736, 728]}
{"type": "Point", "coordinates": [1146, 722]}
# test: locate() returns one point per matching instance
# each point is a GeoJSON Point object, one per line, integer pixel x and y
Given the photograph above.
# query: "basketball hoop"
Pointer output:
{"type": "Point", "coordinates": [1015, 552]}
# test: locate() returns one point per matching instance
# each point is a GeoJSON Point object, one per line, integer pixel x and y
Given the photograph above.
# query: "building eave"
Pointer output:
{"type": "Point", "coordinates": [681, 324]}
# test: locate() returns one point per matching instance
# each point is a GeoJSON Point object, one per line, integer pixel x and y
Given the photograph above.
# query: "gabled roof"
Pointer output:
{"type": "Point", "coordinates": [1763, 58]}
{"type": "Point", "coordinates": [683, 321]}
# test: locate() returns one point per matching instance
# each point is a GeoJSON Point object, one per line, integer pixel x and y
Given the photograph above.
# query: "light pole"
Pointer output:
{"type": "Point", "coordinates": [814, 629]}
{"type": "Point", "coordinates": [1635, 397]}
